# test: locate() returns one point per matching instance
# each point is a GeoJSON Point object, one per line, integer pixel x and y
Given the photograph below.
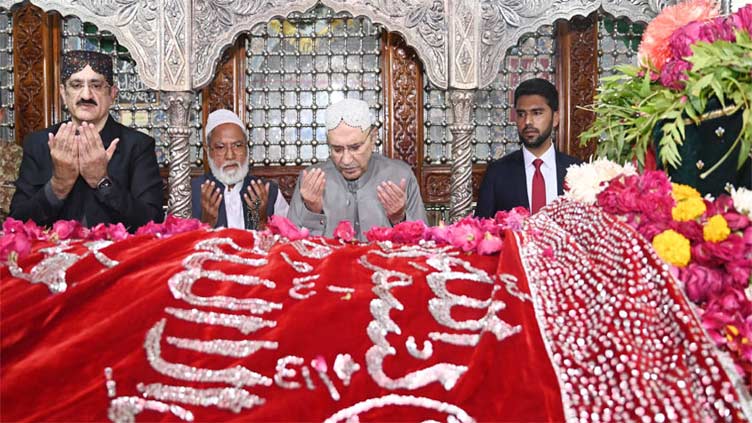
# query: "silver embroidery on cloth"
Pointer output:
{"type": "Point", "coordinates": [181, 287]}
{"type": "Point", "coordinates": [351, 413]}
{"type": "Point", "coordinates": [310, 249]}
{"type": "Point", "coordinates": [283, 372]}
{"type": "Point", "coordinates": [340, 289]}
{"type": "Point", "coordinates": [410, 251]}
{"type": "Point", "coordinates": [319, 364]}
{"type": "Point", "coordinates": [300, 284]}
{"type": "Point", "coordinates": [461, 339]}
{"type": "Point", "coordinates": [299, 266]}
{"type": "Point", "coordinates": [345, 367]}
{"type": "Point", "coordinates": [307, 377]}
{"type": "Point", "coordinates": [233, 399]}
{"type": "Point", "coordinates": [223, 347]}
{"type": "Point", "coordinates": [245, 324]}
{"type": "Point", "coordinates": [237, 376]}
{"type": "Point", "coordinates": [384, 280]}
{"type": "Point", "coordinates": [263, 242]}
{"type": "Point", "coordinates": [418, 266]}
{"type": "Point", "coordinates": [423, 354]}
{"type": "Point", "coordinates": [510, 282]}
{"type": "Point", "coordinates": [109, 383]}
{"type": "Point", "coordinates": [125, 409]}
{"type": "Point", "coordinates": [95, 247]}
{"type": "Point", "coordinates": [441, 307]}
{"type": "Point", "coordinates": [51, 271]}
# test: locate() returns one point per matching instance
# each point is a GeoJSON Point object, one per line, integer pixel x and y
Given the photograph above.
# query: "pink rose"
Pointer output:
{"type": "Point", "coordinates": [409, 232]}
{"type": "Point", "coordinates": [98, 232]}
{"type": "Point", "coordinates": [283, 226]}
{"type": "Point", "coordinates": [379, 233]}
{"type": "Point", "coordinates": [748, 236]}
{"type": "Point", "coordinates": [117, 232]}
{"type": "Point", "coordinates": [736, 221]}
{"type": "Point", "coordinates": [682, 39]}
{"type": "Point", "coordinates": [17, 242]}
{"type": "Point", "coordinates": [742, 19]}
{"type": "Point", "coordinates": [65, 229]}
{"type": "Point", "coordinates": [490, 244]}
{"type": "Point", "coordinates": [465, 236]}
{"type": "Point", "coordinates": [439, 233]}
{"type": "Point", "coordinates": [151, 228]}
{"type": "Point", "coordinates": [674, 74]}
{"type": "Point", "coordinates": [719, 28]}
{"type": "Point", "coordinates": [177, 225]}
{"type": "Point", "coordinates": [691, 229]}
{"type": "Point", "coordinates": [701, 282]}
{"type": "Point", "coordinates": [739, 271]}
{"type": "Point", "coordinates": [344, 231]}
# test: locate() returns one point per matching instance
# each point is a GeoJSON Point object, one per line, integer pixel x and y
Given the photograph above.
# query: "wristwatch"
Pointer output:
{"type": "Point", "coordinates": [104, 184]}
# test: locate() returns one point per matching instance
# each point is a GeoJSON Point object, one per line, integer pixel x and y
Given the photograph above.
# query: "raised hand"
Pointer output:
{"type": "Point", "coordinates": [257, 199]}
{"type": "Point", "coordinates": [211, 198]}
{"type": "Point", "coordinates": [64, 154]}
{"type": "Point", "coordinates": [312, 190]}
{"type": "Point", "coordinates": [392, 197]}
{"type": "Point", "coordinates": [92, 156]}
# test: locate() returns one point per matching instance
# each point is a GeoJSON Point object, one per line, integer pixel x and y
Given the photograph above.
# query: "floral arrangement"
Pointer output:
{"type": "Point", "coordinates": [707, 242]}
{"type": "Point", "coordinates": [471, 234]}
{"type": "Point", "coordinates": [688, 56]}
{"type": "Point", "coordinates": [18, 236]}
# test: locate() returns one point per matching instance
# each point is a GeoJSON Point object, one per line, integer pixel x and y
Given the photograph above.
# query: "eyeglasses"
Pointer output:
{"type": "Point", "coordinates": [96, 85]}
{"type": "Point", "coordinates": [236, 147]}
{"type": "Point", "coordinates": [352, 148]}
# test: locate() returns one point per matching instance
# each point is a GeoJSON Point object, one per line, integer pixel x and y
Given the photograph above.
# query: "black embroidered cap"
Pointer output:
{"type": "Point", "coordinates": [76, 60]}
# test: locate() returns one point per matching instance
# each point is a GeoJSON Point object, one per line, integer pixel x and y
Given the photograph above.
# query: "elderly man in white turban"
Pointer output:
{"type": "Point", "coordinates": [356, 183]}
{"type": "Point", "coordinates": [216, 196]}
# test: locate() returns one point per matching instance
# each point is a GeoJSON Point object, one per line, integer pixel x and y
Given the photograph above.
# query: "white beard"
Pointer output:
{"type": "Point", "coordinates": [230, 177]}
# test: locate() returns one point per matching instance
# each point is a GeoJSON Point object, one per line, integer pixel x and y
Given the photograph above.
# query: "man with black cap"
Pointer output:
{"type": "Point", "coordinates": [91, 168]}
{"type": "Point", "coordinates": [216, 196]}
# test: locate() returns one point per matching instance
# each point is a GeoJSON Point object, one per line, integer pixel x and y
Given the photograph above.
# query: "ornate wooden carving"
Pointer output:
{"type": "Point", "coordinates": [578, 82]}
{"type": "Point", "coordinates": [403, 87]}
{"type": "Point", "coordinates": [35, 52]}
{"type": "Point", "coordinates": [284, 176]}
{"type": "Point", "coordinates": [220, 94]}
{"type": "Point", "coordinates": [436, 186]}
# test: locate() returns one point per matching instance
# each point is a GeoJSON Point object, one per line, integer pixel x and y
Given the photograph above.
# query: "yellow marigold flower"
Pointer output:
{"type": "Point", "coordinates": [683, 192]}
{"type": "Point", "coordinates": [688, 209]}
{"type": "Point", "coordinates": [716, 229]}
{"type": "Point", "coordinates": [672, 247]}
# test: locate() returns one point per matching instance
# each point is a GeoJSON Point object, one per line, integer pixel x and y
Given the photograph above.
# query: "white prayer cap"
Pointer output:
{"type": "Point", "coordinates": [220, 117]}
{"type": "Point", "coordinates": [353, 112]}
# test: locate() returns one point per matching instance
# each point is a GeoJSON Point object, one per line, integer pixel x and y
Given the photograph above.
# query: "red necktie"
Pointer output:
{"type": "Point", "coordinates": [539, 187]}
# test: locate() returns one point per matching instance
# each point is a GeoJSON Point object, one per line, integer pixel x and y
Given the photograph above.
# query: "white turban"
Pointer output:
{"type": "Point", "coordinates": [354, 113]}
{"type": "Point", "coordinates": [220, 117]}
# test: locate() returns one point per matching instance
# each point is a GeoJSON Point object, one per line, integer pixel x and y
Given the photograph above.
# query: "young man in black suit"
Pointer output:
{"type": "Point", "coordinates": [91, 168]}
{"type": "Point", "coordinates": [532, 176]}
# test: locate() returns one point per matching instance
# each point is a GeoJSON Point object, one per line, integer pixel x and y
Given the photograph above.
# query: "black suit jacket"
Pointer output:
{"type": "Point", "coordinates": [504, 186]}
{"type": "Point", "coordinates": [222, 213]}
{"type": "Point", "coordinates": [134, 198]}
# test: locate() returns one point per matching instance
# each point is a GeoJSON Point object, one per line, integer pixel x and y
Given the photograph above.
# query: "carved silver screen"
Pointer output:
{"type": "Point", "coordinates": [495, 132]}
{"type": "Point", "coordinates": [136, 106]}
{"type": "Point", "coordinates": [618, 41]}
{"type": "Point", "coordinates": [298, 66]}
{"type": "Point", "coordinates": [7, 126]}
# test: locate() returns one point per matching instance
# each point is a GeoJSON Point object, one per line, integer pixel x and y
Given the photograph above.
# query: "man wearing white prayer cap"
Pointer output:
{"type": "Point", "coordinates": [355, 183]}
{"type": "Point", "coordinates": [216, 196]}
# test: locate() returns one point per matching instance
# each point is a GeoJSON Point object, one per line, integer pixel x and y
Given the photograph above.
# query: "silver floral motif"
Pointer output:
{"type": "Point", "coordinates": [340, 289]}
{"type": "Point", "coordinates": [350, 414]}
{"type": "Point", "coordinates": [233, 399]}
{"type": "Point", "coordinates": [51, 271]}
{"type": "Point", "coordinates": [245, 324]}
{"type": "Point", "coordinates": [237, 376]}
{"type": "Point", "coordinates": [320, 366]}
{"type": "Point", "coordinates": [179, 132]}
{"type": "Point", "coordinates": [311, 249]}
{"type": "Point", "coordinates": [125, 409]}
{"type": "Point", "coordinates": [224, 347]}
{"type": "Point", "coordinates": [345, 367]}
{"type": "Point", "coordinates": [110, 383]}
{"type": "Point", "coordinates": [461, 339]}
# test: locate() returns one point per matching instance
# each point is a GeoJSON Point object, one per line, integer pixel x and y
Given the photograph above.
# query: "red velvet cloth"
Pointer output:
{"type": "Point", "coordinates": [55, 347]}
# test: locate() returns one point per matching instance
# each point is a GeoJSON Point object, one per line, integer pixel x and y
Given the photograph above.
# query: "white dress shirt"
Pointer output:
{"type": "Point", "coordinates": [234, 206]}
{"type": "Point", "coordinates": [548, 169]}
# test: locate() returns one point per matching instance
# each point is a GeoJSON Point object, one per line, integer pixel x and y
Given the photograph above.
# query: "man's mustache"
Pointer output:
{"type": "Point", "coordinates": [86, 101]}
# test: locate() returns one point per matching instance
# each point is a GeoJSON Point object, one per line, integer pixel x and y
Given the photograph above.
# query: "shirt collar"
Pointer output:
{"type": "Point", "coordinates": [549, 157]}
